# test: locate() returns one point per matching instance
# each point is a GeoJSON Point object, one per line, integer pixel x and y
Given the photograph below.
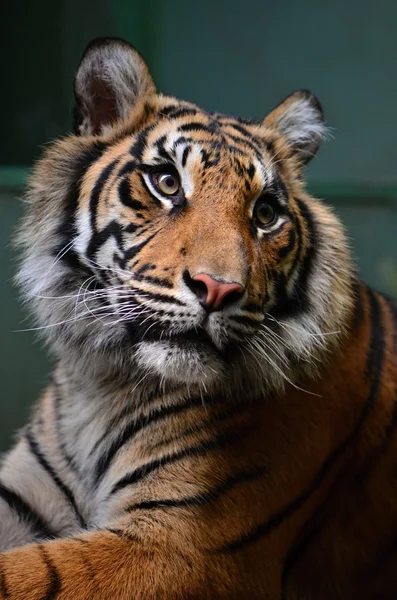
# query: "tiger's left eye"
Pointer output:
{"type": "Point", "coordinates": [166, 183]}
{"type": "Point", "coordinates": [264, 213]}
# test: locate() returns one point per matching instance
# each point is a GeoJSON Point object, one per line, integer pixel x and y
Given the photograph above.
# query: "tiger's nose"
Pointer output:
{"type": "Point", "coordinates": [213, 294]}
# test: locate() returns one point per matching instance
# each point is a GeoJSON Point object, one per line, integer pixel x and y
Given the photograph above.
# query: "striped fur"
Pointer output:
{"type": "Point", "coordinates": [178, 452]}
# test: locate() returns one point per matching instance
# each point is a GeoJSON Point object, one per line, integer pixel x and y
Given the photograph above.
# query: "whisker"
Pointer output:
{"type": "Point", "coordinates": [251, 347]}
{"type": "Point", "coordinates": [114, 270]}
{"type": "Point", "coordinates": [62, 253]}
{"type": "Point", "coordinates": [293, 328]}
{"type": "Point", "coordinates": [80, 317]}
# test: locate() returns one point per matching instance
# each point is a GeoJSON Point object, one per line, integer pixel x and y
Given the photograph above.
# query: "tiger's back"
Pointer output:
{"type": "Point", "coordinates": [220, 422]}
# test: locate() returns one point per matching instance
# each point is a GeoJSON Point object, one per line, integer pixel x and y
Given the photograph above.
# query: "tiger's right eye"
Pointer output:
{"type": "Point", "coordinates": [167, 184]}
{"type": "Point", "coordinates": [264, 212]}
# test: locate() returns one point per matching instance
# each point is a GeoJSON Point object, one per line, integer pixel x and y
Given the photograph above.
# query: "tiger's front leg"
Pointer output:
{"type": "Point", "coordinates": [107, 565]}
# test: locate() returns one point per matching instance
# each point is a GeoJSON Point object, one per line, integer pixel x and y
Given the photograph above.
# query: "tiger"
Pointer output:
{"type": "Point", "coordinates": [220, 420]}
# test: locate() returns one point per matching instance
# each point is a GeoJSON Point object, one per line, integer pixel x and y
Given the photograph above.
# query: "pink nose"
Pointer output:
{"type": "Point", "coordinates": [216, 291]}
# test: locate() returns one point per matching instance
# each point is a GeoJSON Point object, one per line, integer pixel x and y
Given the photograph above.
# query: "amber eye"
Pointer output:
{"type": "Point", "coordinates": [264, 213]}
{"type": "Point", "coordinates": [166, 183]}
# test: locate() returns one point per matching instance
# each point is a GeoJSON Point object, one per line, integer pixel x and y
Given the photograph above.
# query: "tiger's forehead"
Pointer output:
{"type": "Point", "coordinates": [195, 140]}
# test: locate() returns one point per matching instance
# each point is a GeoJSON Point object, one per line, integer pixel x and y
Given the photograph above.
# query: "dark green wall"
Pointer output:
{"type": "Point", "coordinates": [236, 57]}
{"type": "Point", "coordinates": [245, 59]}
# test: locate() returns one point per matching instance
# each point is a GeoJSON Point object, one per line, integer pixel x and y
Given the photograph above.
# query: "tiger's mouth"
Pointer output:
{"type": "Point", "coordinates": [190, 356]}
{"type": "Point", "coordinates": [192, 338]}
{"type": "Point", "coordinates": [201, 335]}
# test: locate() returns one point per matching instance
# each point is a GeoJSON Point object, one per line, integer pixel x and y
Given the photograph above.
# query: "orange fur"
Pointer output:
{"type": "Point", "coordinates": [244, 483]}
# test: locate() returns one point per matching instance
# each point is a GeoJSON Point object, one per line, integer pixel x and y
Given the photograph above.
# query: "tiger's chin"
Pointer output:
{"type": "Point", "coordinates": [181, 363]}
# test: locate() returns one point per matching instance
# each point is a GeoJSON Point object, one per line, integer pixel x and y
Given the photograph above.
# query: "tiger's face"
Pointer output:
{"type": "Point", "coordinates": [180, 244]}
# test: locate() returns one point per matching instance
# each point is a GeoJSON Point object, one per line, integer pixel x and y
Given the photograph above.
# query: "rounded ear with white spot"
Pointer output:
{"type": "Point", "coordinates": [111, 78]}
{"type": "Point", "coordinates": [300, 119]}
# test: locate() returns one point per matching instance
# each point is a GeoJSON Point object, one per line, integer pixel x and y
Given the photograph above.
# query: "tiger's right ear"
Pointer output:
{"type": "Point", "coordinates": [111, 77]}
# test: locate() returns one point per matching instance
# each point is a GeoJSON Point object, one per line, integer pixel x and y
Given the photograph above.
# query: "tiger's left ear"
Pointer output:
{"type": "Point", "coordinates": [300, 119]}
{"type": "Point", "coordinates": [111, 78]}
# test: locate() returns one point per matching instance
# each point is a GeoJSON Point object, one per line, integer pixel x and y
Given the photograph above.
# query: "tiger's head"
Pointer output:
{"type": "Point", "coordinates": [167, 242]}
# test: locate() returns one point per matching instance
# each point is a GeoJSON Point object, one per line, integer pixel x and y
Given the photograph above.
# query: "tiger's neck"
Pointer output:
{"type": "Point", "coordinates": [107, 429]}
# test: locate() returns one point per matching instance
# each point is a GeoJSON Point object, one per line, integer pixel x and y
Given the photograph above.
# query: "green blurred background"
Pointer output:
{"type": "Point", "coordinates": [236, 57]}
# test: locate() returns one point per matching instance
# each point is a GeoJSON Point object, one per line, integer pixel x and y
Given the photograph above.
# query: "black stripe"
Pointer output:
{"type": "Point", "coordinates": [204, 497]}
{"type": "Point", "coordinates": [145, 267]}
{"type": "Point", "coordinates": [126, 198]}
{"type": "Point", "coordinates": [298, 549]}
{"type": "Point", "coordinates": [128, 168]}
{"type": "Point", "coordinates": [248, 143]}
{"type": "Point", "coordinates": [213, 143]}
{"type": "Point", "coordinates": [207, 160]}
{"type": "Point", "coordinates": [238, 168]}
{"type": "Point", "coordinates": [194, 126]}
{"type": "Point", "coordinates": [131, 228]}
{"type": "Point", "coordinates": [376, 350]}
{"type": "Point", "coordinates": [136, 426]}
{"type": "Point", "coordinates": [238, 151]}
{"type": "Point", "coordinates": [158, 297]}
{"type": "Point", "coordinates": [72, 259]}
{"type": "Point", "coordinates": [24, 511]}
{"type": "Point", "coordinates": [182, 140]}
{"type": "Point", "coordinates": [166, 283]}
{"type": "Point", "coordinates": [67, 228]}
{"type": "Point", "coordinates": [161, 149]}
{"type": "Point", "coordinates": [98, 187]}
{"type": "Point", "coordinates": [98, 238]}
{"type": "Point", "coordinates": [176, 111]}
{"type": "Point", "coordinates": [284, 251]}
{"type": "Point", "coordinates": [57, 400]}
{"type": "Point", "coordinates": [35, 449]}
{"type": "Point", "coordinates": [139, 144]}
{"type": "Point", "coordinates": [251, 170]}
{"type": "Point", "coordinates": [135, 331]}
{"type": "Point", "coordinates": [114, 423]}
{"type": "Point", "coordinates": [239, 128]}
{"type": "Point", "coordinates": [88, 566]}
{"type": "Point", "coordinates": [167, 110]}
{"type": "Point", "coordinates": [185, 155]}
{"type": "Point", "coordinates": [83, 162]}
{"type": "Point", "coordinates": [298, 246]}
{"type": "Point", "coordinates": [246, 121]}
{"type": "Point", "coordinates": [55, 585]}
{"type": "Point", "coordinates": [133, 250]}
{"type": "Point", "coordinates": [270, 147]}
{"type": "Point", "coordinates": [374, 369]}
{"type": "Point", "coordinates": [198, 450]}
{"type": "Point", "coordinates": [113, 229]}
{"type": "Point", "coordinates": [299, 300]}
{"type": "Point", "coordinates": [183, 112]}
